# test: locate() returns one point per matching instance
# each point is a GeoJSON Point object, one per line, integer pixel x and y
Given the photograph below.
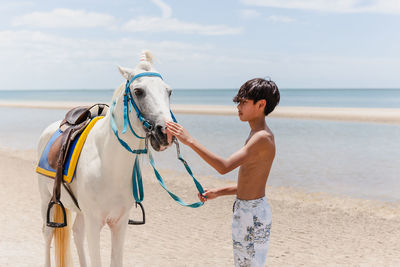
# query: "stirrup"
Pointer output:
{"type": "Point", "coordinates": [55, 224]}
{"type": "Point", "coordinates": [132, 222]}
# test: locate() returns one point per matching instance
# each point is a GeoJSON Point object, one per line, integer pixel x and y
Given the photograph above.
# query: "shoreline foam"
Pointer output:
{"type": "Point", "coordinates": [376, 115]}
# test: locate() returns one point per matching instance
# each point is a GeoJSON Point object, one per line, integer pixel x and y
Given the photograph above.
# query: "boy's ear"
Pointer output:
{"type": "Point", "coordinates": [262, 103]}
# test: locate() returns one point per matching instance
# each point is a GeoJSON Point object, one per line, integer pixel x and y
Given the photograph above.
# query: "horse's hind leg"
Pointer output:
{"type": "Point", "coordinates": [79, 235]}
{"type": "Point", "coordinates": [47, 231]}
{"type": "Point", "coordinates": [48, 236]}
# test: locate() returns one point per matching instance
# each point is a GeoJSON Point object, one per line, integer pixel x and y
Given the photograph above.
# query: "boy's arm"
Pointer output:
{"type": "Point", "coordinates": [220, 164]}
{"type": "Point", "coordinates": [217, 192]}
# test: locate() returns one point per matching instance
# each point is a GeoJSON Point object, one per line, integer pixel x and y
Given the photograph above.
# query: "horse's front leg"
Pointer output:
{"type": "Point", "coordinates": [118, 230]}
{"type": "Point", "coordinates": [93, 227]}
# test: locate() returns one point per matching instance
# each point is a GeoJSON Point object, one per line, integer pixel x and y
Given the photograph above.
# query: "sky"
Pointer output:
{"type": "Point", "coordinates": [201, 44]}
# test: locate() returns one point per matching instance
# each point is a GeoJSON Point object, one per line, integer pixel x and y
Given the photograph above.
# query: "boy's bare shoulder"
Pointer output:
{"type": "Point", "coordinates": [264, 138]}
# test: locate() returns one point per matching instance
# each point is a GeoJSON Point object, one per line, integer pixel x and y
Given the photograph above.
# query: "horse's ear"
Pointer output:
{"type": "Point", "coordinates": [126, 72]}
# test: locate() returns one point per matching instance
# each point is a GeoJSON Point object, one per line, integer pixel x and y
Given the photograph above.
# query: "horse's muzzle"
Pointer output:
{"type": "Point", "coordinates": [159, 138]}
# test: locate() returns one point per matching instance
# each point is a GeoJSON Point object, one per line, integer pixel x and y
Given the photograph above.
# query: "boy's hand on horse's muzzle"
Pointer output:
{"type": "Point", "coordinates": [178, 131]}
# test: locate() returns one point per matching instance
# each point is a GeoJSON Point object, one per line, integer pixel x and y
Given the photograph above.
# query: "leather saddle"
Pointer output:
{"type": "Point", "coordinates": [74, 123]}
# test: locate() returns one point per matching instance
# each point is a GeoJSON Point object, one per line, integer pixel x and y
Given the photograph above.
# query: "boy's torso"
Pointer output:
{"type": "Point", "coordinates": [254, 173]}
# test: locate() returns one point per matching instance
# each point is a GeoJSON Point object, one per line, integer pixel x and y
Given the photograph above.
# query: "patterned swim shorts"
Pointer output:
{"type": "Point", "coordinates": [251, 226]}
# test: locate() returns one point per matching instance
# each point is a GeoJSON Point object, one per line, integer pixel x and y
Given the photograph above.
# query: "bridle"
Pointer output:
{"type": "Point", "coordinates": [128, 100]}
{"type": "Point", "coordinates": [137, 184]}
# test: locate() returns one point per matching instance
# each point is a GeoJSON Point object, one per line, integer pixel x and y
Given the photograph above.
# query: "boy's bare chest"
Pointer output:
{"type": "Point", "coordinates": [255, 164]}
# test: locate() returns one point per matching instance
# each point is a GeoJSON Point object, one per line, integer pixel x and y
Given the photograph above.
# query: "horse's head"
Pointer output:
{"type": "Point", "coordinates": [151, 95]}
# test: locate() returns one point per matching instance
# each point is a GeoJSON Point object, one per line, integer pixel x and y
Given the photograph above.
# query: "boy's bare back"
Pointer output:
{"type": "Point", "coordinates": [253, 173]}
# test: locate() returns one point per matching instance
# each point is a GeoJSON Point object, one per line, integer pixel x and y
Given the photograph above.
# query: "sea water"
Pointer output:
{"type": "Point", "coordinates": [348, 158]}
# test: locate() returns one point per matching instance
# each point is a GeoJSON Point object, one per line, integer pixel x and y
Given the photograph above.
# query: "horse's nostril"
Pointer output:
{"type": "Point", "coordinates": [160, 129]}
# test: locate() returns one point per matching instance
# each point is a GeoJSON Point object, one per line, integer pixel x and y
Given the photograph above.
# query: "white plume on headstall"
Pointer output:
{"type": "Point", "coordinates": [147, 56]}
{"type": "Point", "coordinates": [146, 62]}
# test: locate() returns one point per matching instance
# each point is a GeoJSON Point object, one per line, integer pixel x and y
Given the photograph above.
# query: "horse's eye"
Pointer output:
{"type": "Point", "coordinates": [169, 93]}
{"type": "Point", "coordinates": [138, 92]}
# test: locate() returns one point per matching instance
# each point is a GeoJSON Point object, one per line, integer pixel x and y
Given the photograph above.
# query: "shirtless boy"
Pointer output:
{"type": "Point", "coordinates": [252, 215]}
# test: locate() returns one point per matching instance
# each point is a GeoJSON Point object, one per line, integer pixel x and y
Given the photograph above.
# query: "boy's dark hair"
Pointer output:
{"type": "Point", "coordinates": [257, 89]}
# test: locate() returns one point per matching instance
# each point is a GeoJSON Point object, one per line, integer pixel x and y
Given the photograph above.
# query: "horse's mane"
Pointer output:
{"type": "Point", "coordinates": [118, 92]}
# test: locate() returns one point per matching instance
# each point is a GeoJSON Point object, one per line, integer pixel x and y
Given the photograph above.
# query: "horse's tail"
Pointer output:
{"type": "Point", "coordinates": [62, 238]}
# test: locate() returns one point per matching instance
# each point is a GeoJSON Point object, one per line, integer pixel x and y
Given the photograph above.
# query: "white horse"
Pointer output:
{"type": "Point", "coordinates": [102, 184]}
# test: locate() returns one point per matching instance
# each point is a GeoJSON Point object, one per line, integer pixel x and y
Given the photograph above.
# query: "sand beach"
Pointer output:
{"type": "Point", "coordinates": [309, 229]}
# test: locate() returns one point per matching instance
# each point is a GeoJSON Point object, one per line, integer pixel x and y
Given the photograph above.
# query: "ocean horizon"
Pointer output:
{"type": "Point", "coordinates": [357, 98]}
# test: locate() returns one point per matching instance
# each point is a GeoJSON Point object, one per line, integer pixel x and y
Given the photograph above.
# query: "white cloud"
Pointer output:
{"type": "Point", "coordinates": [338, 6]}
{"type": "Point", "coordinates": [7, 6]}
{"type": "Point", "coordinates": [166, 9]}
{"type": "Point", "coordinates": [53, 61]}
{"type": "Point", "coordinates": [283, 19]}
{"type": "Point", "coordinates": [43, 47]}
{"type": "Point", "coordinates": [69, 18]}
{"type": "Point", "coordinates": [166, 23]}
{"type": "Point", "coordinates": [156, 24]}
{"type": "Point", "coordinates": [249, 13]}
{"type": "Point", "coordinates": [64, 18]}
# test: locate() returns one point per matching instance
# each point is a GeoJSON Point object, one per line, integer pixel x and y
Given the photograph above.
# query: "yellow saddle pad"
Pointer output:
{"type": "Point", "coordinates": [72, 157]}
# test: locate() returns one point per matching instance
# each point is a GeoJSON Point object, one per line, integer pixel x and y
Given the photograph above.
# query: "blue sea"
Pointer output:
{"type": "Point", "coordinates": [345, 158]}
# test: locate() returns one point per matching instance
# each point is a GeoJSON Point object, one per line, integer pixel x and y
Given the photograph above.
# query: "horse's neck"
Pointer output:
{"type": "Point", "coordinates": [111, 149]}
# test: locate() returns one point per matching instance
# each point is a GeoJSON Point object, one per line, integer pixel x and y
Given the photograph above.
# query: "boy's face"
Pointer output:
{"type": "Point", "coordinates": [247, 110]}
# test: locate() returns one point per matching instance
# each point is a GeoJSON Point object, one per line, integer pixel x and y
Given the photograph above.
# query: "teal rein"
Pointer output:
{"type": "Point", "coordinates": [137, 183]}
{"type": "Point", "coordinates": [175, 197]}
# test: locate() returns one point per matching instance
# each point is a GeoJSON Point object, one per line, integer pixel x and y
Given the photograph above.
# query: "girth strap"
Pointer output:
{"type": "Point", "coordinates": [66, 140]}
